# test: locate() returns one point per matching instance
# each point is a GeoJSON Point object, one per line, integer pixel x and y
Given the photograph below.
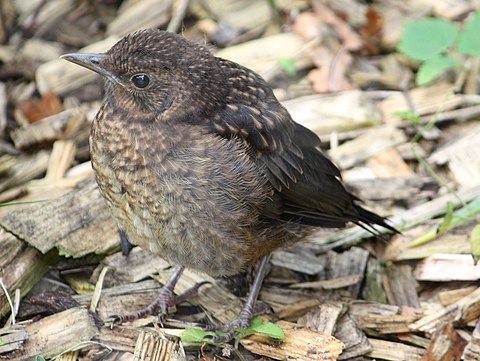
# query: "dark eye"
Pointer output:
{"type": "Point", "coordinates": [140, 80]}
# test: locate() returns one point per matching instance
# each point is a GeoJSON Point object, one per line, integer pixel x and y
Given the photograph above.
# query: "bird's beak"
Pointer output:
{"type": "Point", "coordinates": [92, 62]}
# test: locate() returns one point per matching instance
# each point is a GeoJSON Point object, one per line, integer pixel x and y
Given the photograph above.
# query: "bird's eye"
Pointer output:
{"type": "Point", "coordinates": [140, 80]}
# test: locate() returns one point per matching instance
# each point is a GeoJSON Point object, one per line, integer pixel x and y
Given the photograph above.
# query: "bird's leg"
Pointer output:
{"type": "Point", "coordinates": [124, 242]}
{"type": "Point", "coordinates": [165, 300]}
{"type": "Point", "coordinates": [245, 317]}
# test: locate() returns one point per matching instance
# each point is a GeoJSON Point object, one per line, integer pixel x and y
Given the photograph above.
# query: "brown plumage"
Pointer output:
{"type": "Point", "coordinates": [201, 164]}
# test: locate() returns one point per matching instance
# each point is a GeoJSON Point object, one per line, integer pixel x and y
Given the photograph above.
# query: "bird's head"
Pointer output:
{"type": "Point", "coordinates": [157, 71]}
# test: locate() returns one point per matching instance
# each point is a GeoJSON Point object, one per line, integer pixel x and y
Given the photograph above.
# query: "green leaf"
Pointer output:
{"type": "Point", "coordinates": [39, 358]}
{"type": "Point", "coordinates": [256, 321]}
{"type": "Point", "coordinates": [475, 241]}
{"type": "Point", "coordinates": [408, 116]}
{"type": "Point", "coordinates": [469, 43]}
{"type": "Point", "coordinates": [196, 335]}
{"type": "Point", "coordinates": [22, 202]}
{"type": "Point", "coordinates": [447, 220]}
{"type": "Point", "coordinates": [433, 67]}
{"type": "Point", "coordinates": [458, 217]}
{"type": "Point", "coordinates": [288, 65]}
{"type": "Point", "coordinates": [425, 38]}
{"type": "Point", "coordinates": [269, 329]}
{"type": "Point", "coordinates": [243, 332]}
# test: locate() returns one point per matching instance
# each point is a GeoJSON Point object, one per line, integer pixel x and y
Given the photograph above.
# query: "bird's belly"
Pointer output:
{"type": "Point", "coordinates": [194, 201]}
{"type": "Point", "coordinates": [159, 222]}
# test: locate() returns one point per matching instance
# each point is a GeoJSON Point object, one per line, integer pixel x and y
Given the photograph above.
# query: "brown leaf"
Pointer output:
{"type": "Point", "coordinates": [371, 29]}
{"type": "Point", "coordinates": [48, 105]}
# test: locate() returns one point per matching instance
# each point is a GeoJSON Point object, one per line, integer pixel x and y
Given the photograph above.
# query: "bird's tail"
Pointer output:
{"type": "Point", "coordinates": [367, 219]}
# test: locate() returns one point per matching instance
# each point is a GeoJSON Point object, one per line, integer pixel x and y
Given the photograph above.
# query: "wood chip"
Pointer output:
{"type": "Point", "coordinates": [386, 324]}
{"type": "Point", "coordinates": [464, 310]}
{"type": "Point", "coordinates": [305, 263]}
{"type": "Point", "coordinates": [3, 109]}
{"type": "Point", "coordinates": [239, 16]}
{"type": "Point", "coordinates": [451, 296]}
{"type": "Point", "coordinates": [394, 351]}
{"type": "Point", "coordinates": [152, 347]}
{"type": "Point", "coordinates": [355, 341]}
{"type": "Point", "coordinates": [278, 297]}
{"type": "Point", "coordinates": [435, 98]}
{"type": "Point", "coordinates": [447, 243]}
{"type": "Point", "coordinates": [331, 319]}
{"type": "Point", "coordinates": [370, 143]}
{"type": "Point", "coordinates": [463, 158]}
{"type": "Point", "coordinates": [122, 299]}
{"type": "Point", "coordinates": [389, 164]}
{"type": "Point", "coordinates": [461, 267]}
{"type": "Point", "coordinates": [54, 334]}
{"type": "Point", "coordinates": [349, 263]}
{"type": "Point", "coordinates": [299, 344]}
{"type": "Point", "coordinates": [331, 284]}
{"type": "Point", "coordinates": [472, 350]}
{"type": "Point", "coordinates": [61, 159]}
{"type": "Point", "coordinates": [324, 317]}
{"type": "Point", "coordinates": [327, 113]}
{"type": "Point", "coordinates": [296, 310]}
{"type": "Point", "coordinates": [43, 132]}
{"type": "Point", "coordinates": [137, 15]}
{"type": "Point", "coordinates": [413, 189]}
{"type": "Point", "coordinates": [22, 267]}
{"type": "Point", "coordinates": [363, 308]}
{"type": "Point", "coordinates": [400, 286]}
{"type": "Point", "coordinates": [24, 168]}
{"type": "Point", "coordinates": [261, 55]}
{"type": "Point", "coordinates": [77, 224]}
{"type": "Point", "coordinates": [446, 345]}
{"type": "Point", "coordinates": [373, 290]}
{"type": "Point", "coordinates": [450, 9]}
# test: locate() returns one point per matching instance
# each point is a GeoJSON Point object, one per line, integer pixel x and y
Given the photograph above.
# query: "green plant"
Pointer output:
{"type": "Point", "coordinates": [195, 335]}
{"type": "Point", "coordinates": [434, 42]}
{"type": "Point", "coordinates": [288, 65]}
{"type": "Point", "coordinates": [451, 220]}
{"type": "Point", "coordinates": [475, 242]}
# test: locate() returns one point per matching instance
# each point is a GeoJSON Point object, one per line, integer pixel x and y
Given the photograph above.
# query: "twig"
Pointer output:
{"type": "Point", "coordinates": [178, 16]}
{"type": "Point", "coordinates": [333, 67]}
{"type": "Point", "coordinates": [9, 300]}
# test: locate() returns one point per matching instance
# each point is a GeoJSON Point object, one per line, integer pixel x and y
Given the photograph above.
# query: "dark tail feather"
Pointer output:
{"type": "Point", "coordinates": [366, 219]}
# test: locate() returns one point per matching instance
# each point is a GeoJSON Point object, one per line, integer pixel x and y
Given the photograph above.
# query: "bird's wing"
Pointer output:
{"type": "Point", "coordinates": [252, 113]}
{"type": "Point", "coordinates": [307, 183]}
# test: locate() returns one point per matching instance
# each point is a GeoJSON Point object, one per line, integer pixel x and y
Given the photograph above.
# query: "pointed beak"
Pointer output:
{"type": "Point", "coordinates": [92, 62]}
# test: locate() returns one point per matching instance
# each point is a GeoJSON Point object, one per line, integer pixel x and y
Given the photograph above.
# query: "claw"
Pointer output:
{"type": "Point", "coordinates": [161, 306]}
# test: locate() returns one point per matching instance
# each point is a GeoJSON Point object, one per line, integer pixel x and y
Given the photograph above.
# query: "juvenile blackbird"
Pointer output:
{"type": "Point", "coordinates": [202, 165]}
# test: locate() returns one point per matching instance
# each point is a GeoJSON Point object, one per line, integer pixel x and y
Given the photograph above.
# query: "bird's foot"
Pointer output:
{"type": "Point", "coordinates": [242, 321]}
{"type": "Point", "coordinates": [246, 314]}
{"type": "Point", "coordinates": [164, 303]}
{"type": "Point", "coordinates": [162, 306]}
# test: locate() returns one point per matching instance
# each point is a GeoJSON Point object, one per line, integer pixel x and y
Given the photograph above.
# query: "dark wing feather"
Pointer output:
{"type": "Point", "coordinates": [307, 184]}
